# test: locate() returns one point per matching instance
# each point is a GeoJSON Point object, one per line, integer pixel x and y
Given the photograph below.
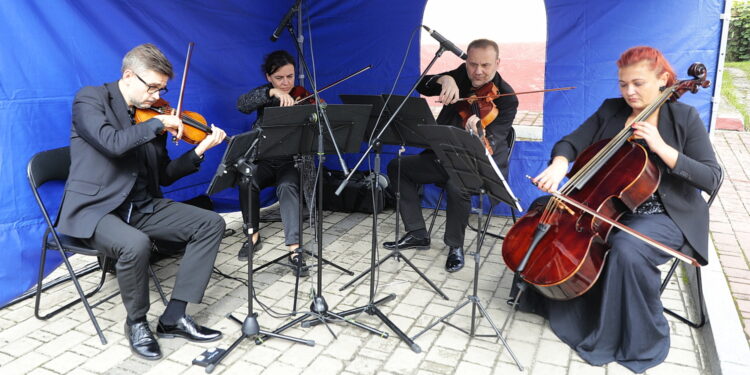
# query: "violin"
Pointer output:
{"type": "Point", "coordinates": [481, 105]}
{"type": "Point", "coordinates": [195, 128]}
{"type": "Point", "coordinates": [302, 96]}
{"type": "Point", "coordinates": [496, 95]}
{"type": "Point", "coordinates": [561, 248]}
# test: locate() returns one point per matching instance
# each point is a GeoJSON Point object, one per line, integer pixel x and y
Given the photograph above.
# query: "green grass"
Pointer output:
{"type": "Point", "coordinates": [729, 91]}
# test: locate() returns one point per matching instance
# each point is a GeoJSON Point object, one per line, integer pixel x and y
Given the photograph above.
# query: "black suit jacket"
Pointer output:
{"type": "Point", "coordinates": [497, 130]}
{"type": "Point", "coordinates": [103, 166]}
{"type": "Point", "coordinates": [696, 168]}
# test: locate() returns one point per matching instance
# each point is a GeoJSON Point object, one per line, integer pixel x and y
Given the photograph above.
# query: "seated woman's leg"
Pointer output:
{"type": "Point", "coordinates": [621, 318]}
{"type": "Point", "coordinates": [250, 202]}
{"type": "Point", "coordinates": [287, 190]}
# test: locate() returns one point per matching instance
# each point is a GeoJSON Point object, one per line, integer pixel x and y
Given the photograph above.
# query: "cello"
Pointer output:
{"type": "Point", "coordinates": [561, 248]}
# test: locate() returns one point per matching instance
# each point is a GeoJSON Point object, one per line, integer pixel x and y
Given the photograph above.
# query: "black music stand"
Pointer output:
{"type": "Point", "coordinates": [403, 133]}
{"type": "Point", "coordinates": [348, 126]}
{"type": "Point", "coordinates": [237, 165]}
{"type": "Point", "coordinates": [371, 306]}
{"type": "Point", "coordinates": [471, 167]}
{"type": "Point", "coordinates": [291, 131]}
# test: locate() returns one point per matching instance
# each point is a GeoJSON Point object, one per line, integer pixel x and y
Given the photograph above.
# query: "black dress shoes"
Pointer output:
{"type": "Point", "coordinates": [245, 249]}
{"type": "Point", "coordinates": [142, 341]}
{"type": "Point", "coordinates": [409, 242]}
{"type": "Point", "coordinates": [187, 328]}
{"type": "Point", "coordinates": [455, 259]}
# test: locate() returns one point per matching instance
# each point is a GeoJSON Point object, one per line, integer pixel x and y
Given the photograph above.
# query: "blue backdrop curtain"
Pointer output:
{"type": "Point", "coordinates": [52, 48]}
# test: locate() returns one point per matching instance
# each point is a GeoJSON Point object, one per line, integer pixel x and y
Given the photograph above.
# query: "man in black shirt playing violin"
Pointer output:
{"type": "Point", "coordinates": [113, 202]}
{"type": "Point", "coordinates": [479, 70]}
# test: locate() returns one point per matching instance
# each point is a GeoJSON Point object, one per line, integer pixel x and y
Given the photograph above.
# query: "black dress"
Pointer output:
{"type": "Point", "coordinates": [621, 318]}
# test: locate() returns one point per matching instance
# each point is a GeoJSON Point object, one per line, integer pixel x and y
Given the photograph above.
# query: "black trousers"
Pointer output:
{"type": "Point", "coordinates": [426, 169]}
{"type": "Point", "coordinates": [130, 244]}
{"type": "Point", "coordinates": [285, 176]}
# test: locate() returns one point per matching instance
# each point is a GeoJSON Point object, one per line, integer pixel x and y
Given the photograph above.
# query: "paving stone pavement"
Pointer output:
{"type": "Point", "coordinates": [67, 343]}
{"type": "Point", "coordinates": [730, 216]}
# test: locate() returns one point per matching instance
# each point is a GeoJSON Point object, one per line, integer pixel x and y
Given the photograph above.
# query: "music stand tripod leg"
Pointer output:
{"type": "Point", "coordinates": [319, 308]}
{"type": "Point", "coordinates": [250, 326]}
{"type": "Point", "coordinates": [474, 299]}
{"type": "Point", "coordinates": [397, 251]}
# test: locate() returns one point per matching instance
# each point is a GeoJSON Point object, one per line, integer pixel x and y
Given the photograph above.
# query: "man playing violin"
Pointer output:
{"type": "Point", "coordinates": [479, 70]}
{"type": "Point", "coordinates": [278, 68]}
{"type": "Point", "coordinates": [113, 201]}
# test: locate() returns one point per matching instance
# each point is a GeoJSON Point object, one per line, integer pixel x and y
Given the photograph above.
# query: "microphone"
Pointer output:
{"type": "Point", "coordinates": [446, 43]}
{"type": "Point", "coordinates": [284, 21]}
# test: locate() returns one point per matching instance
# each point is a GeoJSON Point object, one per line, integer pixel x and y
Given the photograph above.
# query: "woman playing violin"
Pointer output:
{"type": "Point", "coordinates": [279, 70]}
{"type": "Point", "coordinates": [620, 319]}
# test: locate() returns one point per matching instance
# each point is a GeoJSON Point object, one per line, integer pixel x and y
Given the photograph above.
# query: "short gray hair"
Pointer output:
{"type": "Point", "coordinates": [484, 43]}
{"type": "Point", "coordinates": [147, 57]}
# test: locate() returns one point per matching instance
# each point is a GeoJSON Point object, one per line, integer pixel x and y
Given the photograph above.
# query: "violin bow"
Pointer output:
{"type": "Point", "coordinates": [334, 84]}
{"type": "Point", "coordinates": [517, 93]}
{"type": "Point", "coordinates": [182, 84]}
{"type": "Point", "coordinates": [664, 248]}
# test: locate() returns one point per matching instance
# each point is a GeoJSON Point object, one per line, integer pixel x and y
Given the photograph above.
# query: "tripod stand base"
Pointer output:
{"type": "Point", "coordinates": [250, 330]}
{"type": "Point", "coordinates": [320, 315]}
{"type": "Point", "coordinates": [476, 303]}
{"type": "Point", "coordinates": [372, 309]}
{"type": "Point", "coordinates": [397, 254]}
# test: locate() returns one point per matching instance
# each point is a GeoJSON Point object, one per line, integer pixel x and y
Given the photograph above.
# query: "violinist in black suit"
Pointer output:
{"type": "Point", "coordinates": [113, 200]}
{"type": "Point", "coordinates": [479, 70]}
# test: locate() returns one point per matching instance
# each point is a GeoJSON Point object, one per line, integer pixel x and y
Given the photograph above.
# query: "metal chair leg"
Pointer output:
{"type": "Point", "coordinates": [434, 213]}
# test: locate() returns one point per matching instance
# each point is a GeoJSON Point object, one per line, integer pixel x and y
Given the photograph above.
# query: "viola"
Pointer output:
{"type": "Point", "coordinates": [481, 105]}
{"type": "Point", "coordinates": [195, 128]}
{"type": "Point", "coordinates": [561, 248]}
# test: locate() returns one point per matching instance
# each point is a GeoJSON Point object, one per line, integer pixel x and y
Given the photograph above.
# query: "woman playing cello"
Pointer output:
{"type": "Point", "coordinates": [620, 319]}
{"type": "Point", "coordinates": [279, 71]}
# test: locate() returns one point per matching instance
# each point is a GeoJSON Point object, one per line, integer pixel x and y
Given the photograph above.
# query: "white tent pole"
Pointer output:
{"type": "Point", "coordinates": [716, 98]}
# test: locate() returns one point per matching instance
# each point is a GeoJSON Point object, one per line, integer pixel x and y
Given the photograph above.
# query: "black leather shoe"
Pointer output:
{"type": "Point", "coordinates": [142, 341]}
{"type": "Point", "coordinates": [245, 249]}
{"type": "Point", "coordinates": [298, 265]}
{"type": "Point", "coordinates": [408, 241]}
{"type": "Point", "coordinates": [187, 328]}
{"type": "Point", "coordinates": [455, 259]}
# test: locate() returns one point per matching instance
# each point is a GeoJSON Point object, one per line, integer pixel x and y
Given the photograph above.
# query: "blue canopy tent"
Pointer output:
{"type": "Point", "coordinates": [51, 49]}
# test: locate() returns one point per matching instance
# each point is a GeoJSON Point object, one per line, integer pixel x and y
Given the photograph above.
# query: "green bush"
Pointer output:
{"type": "Point", "coordinates": [738, 44]}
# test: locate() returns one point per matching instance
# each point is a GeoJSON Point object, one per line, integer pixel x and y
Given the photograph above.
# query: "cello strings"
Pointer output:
{"type": "Point", "coordinates": [553, 205]}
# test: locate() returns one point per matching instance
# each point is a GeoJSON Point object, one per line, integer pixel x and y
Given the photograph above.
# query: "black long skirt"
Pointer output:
{"type": "Point", "coordinates": [621, 318]}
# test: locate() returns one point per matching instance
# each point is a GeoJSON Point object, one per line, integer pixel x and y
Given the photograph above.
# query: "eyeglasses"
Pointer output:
{"type": "Point", "coordinates": [151, 89]}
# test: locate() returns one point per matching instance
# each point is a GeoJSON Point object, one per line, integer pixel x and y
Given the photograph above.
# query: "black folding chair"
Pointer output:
{"type": "Point", "coordinates": [54, 165]}
{"type": "Point", "coordinates": [511, 139]}
{"type": "Point", "coordinates": [686, 249]}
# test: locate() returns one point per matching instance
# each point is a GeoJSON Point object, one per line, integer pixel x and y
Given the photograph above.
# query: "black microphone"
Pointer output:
{"type": "Point", "coordinates": [284, 21]}
{"type": "Point", "coordinates": [446, 43]}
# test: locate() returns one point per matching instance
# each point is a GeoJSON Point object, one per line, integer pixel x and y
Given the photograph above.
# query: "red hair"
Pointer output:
{"type": "Point", "coordinates": [658, 62]}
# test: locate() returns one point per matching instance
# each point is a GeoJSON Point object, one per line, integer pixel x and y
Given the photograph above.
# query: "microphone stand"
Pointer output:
{"type": "Point", "coordinates": [319, 308]}
{"type": "Point", "coordinates": [371, 307]}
